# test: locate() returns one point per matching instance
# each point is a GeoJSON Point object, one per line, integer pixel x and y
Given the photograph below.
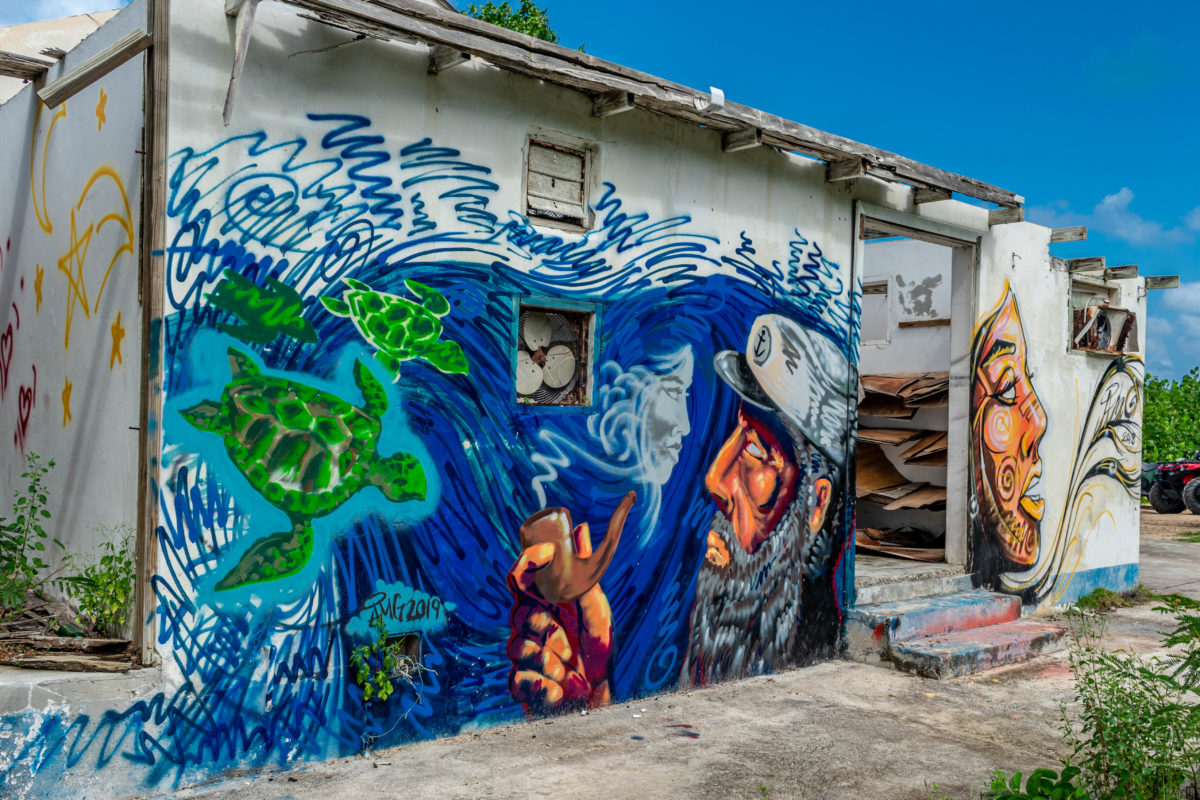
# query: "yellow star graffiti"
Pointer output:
{"type": "Point", "coordinates": [71, 265]}
{"type": "Point", "coordinates": [100, 117]}
{"type": "Point", "coordinates": [66, 400]}
{"type": "Point", "coordinates": [118, 333]}
{"type": "Point", "coordinates": [37, 287]}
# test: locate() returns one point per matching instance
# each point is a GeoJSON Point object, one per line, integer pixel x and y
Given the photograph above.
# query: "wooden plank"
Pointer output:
{"type": "Point", "coordinates": [80, 644]}
{"type": "Point", "coordinates": [745, 139]}
{"type": "Point", "coordinates": [151, 296]}
{"type": "Point", "coordinates": [1162, 281]}
{"type": "Point", "coordinates": [1090, 264]}
{"type": "Point", "coordinates": [874, 471]}
{"type": "Point", "coordinates": [443, 58]}
{"type": "Point", "coordinates": [69, 662]}
{"type": "Point", "coordinates": [924, 323]}
{"type": "Point", "coordinates": [1005, 216]}
{"type": "Point", "coordinates": [1121, 272]}
{"type": "Point", "coordinates": [53, 94]}
{"type": "Point", "coordinates": [15, 65]}
{"type": "Point", "coordinates": [413, 19]}
{"type": "Point", "coordinates": [606, 104]}
{"type": "Point", "coordinates": [552, 188]}
{"type": "Point", "coordinates": [1075, 233]}
{"type": "Point", "coordinates": [892, 436]}
{"type": "Point", "coordinates": [930, 196]}
{"type": "Point", "coordinates": [55, 53]}
{"type": "Point", "coordinates": [557, 162]}
{"type": "Point", "coordinates": [241, 46]}
{"type": "Point", "coordinates": [921, 498]}
{"type": "Point", "coordinates": [845, 169]}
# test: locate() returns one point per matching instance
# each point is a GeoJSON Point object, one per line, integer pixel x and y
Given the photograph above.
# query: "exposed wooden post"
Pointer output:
{"type": "Point", "coordinates": [610, 103]}
{"type": "Point", "coordinates": [54, 52]}
{"type": "Point", "coordinates": [1077, 233]}
{"type": "Point", "coordinates": [1162, 281]}
{"type": "Point", "coordinates": [923, 195]}
{"type": "Point", "coordinates": [1091, 264]}
{"type": "Point", "coordinates": [1124, 271]}
{"type": "Point", "coordinates": [845, 169]}
{"type": "Point", "coordinates": [241, 45]}
{"type": "Point", "coordinates": [744, 139]}
{"type": "Point", "coordinates": [442, 58]}
{"type": "Point", "coordinates": [1005, 216]}
{"type": "Point", "coordinates": [95, 68]}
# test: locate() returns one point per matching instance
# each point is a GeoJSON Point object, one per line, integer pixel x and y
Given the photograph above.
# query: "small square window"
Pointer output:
{"type": "Point", "coordinates": [556, 183]}
{"type": "Point", "coordinates": [552, 358]}
{"type": "Point", "coordinates": [1098, 325]}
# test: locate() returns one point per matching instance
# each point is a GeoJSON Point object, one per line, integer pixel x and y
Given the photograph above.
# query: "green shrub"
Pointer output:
{"type": "Point", "coordinates": [103, 587]}
{"type": "Point", "coordinates": [1041, 783]}
{"type": "Point", "coordinates": [23, 541]}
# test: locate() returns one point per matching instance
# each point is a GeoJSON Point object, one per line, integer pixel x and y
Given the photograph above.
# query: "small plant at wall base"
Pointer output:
{"type": "Point", "coordinates": [23, 541]}
{"type": "Point", "coordinates": [378, 662]}
{"type": "Point", "coordinates": [103, 587]}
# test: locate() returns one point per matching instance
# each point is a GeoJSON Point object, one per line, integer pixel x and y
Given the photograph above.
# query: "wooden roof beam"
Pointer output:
{"type": "Point", "coordinates": [930, 195]}
{"type": "Point", "coordinates": [15, 65]}
{"type": "Point", "coordinates": [1090, 264]}
{"type": "Point", "coordinates": [1162, 281]}
{"type": "Point", "coordinates": [1077, 233]}
{"type": "Point", "coordinates": [746, 139]}
{"type": "Point", "coordinates": [606, 104]}
{"type": "Point", "coordinates": [79, 78]}
{"type": "Point", "coordinates": [1005, 216]}
{"type": "Point", "coordinates": [409, 20]}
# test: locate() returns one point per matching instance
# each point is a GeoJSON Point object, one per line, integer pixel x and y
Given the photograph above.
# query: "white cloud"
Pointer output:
{"type": "Point", "coordinates": [1186, 298]}
{"type": "Point", "coordinates": [1158, 333]}
{"type": "Point", "coordinates": [1189, 324]}
{"type": "Point", "coordinates": [1192, 220]}
{"type": "Point", "coordinates": [1112, 216]}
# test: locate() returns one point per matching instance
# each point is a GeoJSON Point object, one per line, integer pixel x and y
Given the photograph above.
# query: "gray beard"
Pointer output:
{"type": "Point", "coordinates": [747, 614]}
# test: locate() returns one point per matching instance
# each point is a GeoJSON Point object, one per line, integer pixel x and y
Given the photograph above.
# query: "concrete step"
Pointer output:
{"type": "Point", "coordinates": [872, 631]}
{"type": "Point", "coordinates": [892, 591]}
{"type": "Point", "coordinates": [969, 651]}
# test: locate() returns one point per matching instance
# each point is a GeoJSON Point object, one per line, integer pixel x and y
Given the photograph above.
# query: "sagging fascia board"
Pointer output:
{"type": "Point", "coordinates": [408, 20]}
{"type": "Point", "coordinates": [79, 78]}
{"type": "Point", "coordinates": [241, 46]}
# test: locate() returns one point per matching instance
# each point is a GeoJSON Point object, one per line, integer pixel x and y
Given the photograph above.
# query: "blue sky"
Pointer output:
{"type": "Point", "coordinates": [1089, 110]}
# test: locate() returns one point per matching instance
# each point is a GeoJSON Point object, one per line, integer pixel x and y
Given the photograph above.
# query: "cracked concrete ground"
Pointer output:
{"type": "Point", "coordinates": [835, 730]}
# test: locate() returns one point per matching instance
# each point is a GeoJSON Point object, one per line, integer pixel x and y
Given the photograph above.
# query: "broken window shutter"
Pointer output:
{"type": "Point", "coordinates": [555, 185]}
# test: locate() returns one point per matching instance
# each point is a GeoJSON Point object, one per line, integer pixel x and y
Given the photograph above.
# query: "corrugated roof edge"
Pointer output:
{"type": "Point", "coordinates": [412, 20]}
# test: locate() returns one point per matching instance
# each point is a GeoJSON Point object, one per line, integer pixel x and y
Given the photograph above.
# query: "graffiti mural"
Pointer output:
{"type": "Point", "coordinates": [378, 469]}
{"type": "Point", "coordinates": [1008, 424]}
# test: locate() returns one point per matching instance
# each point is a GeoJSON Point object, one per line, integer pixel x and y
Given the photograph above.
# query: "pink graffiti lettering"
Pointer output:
{"type": "Point", "coordinates": [26, 397]}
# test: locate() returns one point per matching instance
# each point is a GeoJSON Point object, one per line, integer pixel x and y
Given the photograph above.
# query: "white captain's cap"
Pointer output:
{"type": "Point", "coordinates": [799, 374]}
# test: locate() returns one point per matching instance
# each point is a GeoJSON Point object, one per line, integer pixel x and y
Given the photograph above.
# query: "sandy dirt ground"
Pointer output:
{"type": "Point", "coordinates": [1168, 526]}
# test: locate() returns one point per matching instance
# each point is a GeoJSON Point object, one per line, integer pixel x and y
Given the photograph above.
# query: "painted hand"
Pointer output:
{"type": "Point", "coordinates": [562, 629]}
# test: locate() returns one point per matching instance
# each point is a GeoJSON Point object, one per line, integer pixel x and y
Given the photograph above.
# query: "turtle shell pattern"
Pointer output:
{"type": "Point", "coordinates": [301, 448]}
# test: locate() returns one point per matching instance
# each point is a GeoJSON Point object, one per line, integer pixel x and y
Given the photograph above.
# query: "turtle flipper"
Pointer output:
{"type": "Point", "coordinates": [336, 306]}
{"type": "Point", "coordinates": [241, 365]}
{"type": "Point", "coordinates": [207, 416]}
{"type": "Point", "coordinates": [400, 477]}
{"type": "Point", "coordinates": [431, 299]}
{"type": "Point", "coordinates": [390, 363]}
{"type": "Point", "coordinates": [448, 357]}
{"type": "Point", "coordinates": [272, 557]}
{"type": "Point", "coordinates": [375, 400]}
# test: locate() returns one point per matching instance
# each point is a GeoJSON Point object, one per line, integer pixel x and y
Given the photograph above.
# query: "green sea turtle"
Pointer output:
{"type": "Point", "coordinates": [306, 452]}
{"type": "Point", "coordinates": [399, 328]}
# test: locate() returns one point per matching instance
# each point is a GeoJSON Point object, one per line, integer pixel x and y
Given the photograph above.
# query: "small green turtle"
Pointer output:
{"type": "Point", "coordinates": [400, 329]}
{"type": "Point", "coordinates": [306, 452]}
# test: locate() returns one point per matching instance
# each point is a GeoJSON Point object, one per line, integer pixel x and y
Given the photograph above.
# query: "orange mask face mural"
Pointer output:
{"type": "Point", "coordinates": [1007, 426]}
{"type": "Point", "coordinates": [753, 480]}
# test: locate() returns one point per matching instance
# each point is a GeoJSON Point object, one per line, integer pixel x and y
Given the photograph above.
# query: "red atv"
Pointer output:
{"type": "Point", "coordinates": [1177, 486]}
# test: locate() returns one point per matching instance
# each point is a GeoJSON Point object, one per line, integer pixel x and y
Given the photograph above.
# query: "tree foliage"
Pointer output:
{"type": "Point", "coordinates": [528, 18]}
{"type": "Point", "coordinates": [1171, 417]}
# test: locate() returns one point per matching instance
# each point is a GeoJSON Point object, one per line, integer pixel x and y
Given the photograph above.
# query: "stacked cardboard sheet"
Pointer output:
{"type": "Point", "coordinates": [880, 482]}
{"type": "Point", "coordinates": [902, 543]}
{"type": "Point", "coordinates": [899, 396]}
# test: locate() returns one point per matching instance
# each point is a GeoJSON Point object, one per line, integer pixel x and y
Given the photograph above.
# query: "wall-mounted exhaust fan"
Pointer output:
{"type": "Point", "coordinates": [551, 356]}
{"type": "Point", "coordinates": [1105, 329]}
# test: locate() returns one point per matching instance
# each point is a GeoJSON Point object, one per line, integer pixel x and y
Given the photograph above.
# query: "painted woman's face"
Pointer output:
{"type": "Point", "coordinates": [752, 480]}
{"type": "Point", "coordinates": [666, 425]}
{"type": "Point", "coordinates": [1008, 424]}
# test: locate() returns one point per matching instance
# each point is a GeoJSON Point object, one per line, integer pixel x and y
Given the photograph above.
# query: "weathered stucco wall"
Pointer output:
{"type": "Point", "coordinates": [342, 439]}
{"type": "Point", "coordinates": [1039, 408]}
{"type": "Point", "coordinates": [70, 325]}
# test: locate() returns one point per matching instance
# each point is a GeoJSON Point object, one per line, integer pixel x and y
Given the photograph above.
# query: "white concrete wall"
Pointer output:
{"type": "Point", "coordinates": [1097, 523]}
{"type": "Point", "coordinates": [919, 281]}
{"type": "Point", "coordinates": [70, 319]}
